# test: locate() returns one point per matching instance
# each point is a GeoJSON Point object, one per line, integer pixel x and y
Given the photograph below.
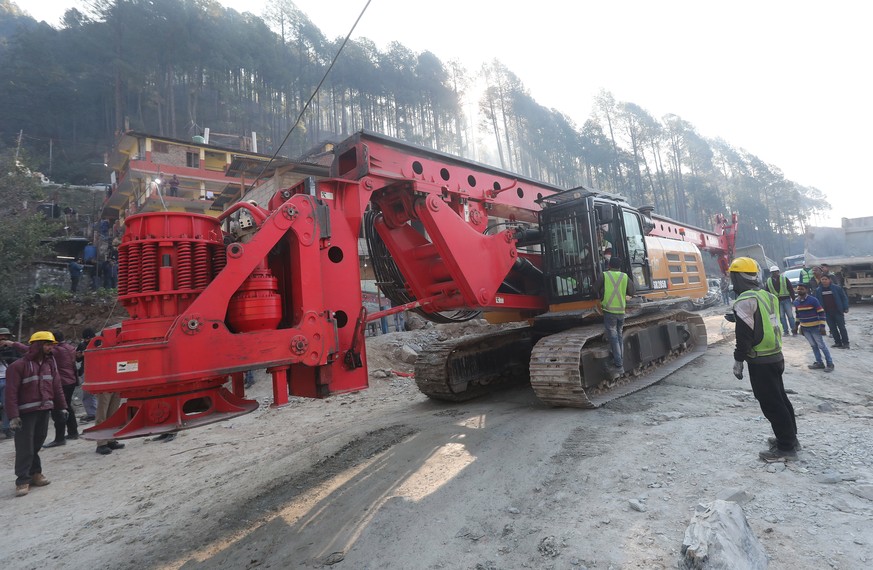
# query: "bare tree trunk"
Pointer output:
{"type": "Point", "coordinates": [159, 108]}
{"type": "Point", "coordinates": [172, 101]}
{"type": "Point", "coordinates": [651, 185]}
{"type": "Point", "coordinates": [496, 130]}
{"type": "Point", "coordinates": [119, 98]}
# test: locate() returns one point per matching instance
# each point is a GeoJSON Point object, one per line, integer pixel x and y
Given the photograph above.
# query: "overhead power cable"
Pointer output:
{"type": "Point", "coordinates": [311, 97]}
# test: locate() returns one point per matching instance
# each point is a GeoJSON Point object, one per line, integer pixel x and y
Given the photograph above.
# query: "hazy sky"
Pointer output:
{"type": "Point", "coordinates": [786, 80]}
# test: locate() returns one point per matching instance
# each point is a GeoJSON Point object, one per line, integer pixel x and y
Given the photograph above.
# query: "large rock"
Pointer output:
{"type": "Point", "coordinates": [719, 538]}
{"type": "Point", "coordinates": [408, 354]}
{"type": "Point", "coordinates": [416, 322]}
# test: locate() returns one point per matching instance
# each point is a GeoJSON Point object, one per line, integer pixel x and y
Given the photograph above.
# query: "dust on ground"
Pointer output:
{"type": "Point", "coordinates": [386, 478]}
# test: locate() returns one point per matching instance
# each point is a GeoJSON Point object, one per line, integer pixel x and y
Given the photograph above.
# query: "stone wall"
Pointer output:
{"type": "Point", "coordinates": [51, 273]}
{"type": "Point", "coordinates": [176, 155]}
{"type": "Point", "coordinates": [57, 274]}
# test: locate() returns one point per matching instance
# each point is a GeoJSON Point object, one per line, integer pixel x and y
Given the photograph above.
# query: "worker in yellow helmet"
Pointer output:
{"type": "Point", "coordinates": [759, 343]}
{"type": "Point", "coordinates": [33, 389]}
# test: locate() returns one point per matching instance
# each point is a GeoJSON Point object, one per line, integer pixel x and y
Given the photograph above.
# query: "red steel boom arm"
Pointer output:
{"type": "Point", "coordinates": [208, 303]}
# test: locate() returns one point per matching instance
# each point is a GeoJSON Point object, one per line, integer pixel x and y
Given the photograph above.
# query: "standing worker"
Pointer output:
{"type": "Point", "coordinates": [89, 401]}
{"type": "Point", "coordinates": [383, 322]}
{"type": "Point", "coordinates": [66, 426]}
{"type": "Point", "coordinates": [613, 287]}
{"type": "Point", "coordinates": [607, 255]}
{"type": "Point", "coordinates": [811, 321]}
{"type": "Point", "coordinates": [836, 304]}
{"type": "Point", "coordinates": [807, 277]}
{"type": "Point", "coordinates": [33, 389]}
{"type": "Point", "coordinates": [10, 351]}
{"type": "Point", "coordinates": [756, 314]}
{"type": "Point", "coordinates": [174, 186]}
{"type": "Point", "coordinates": [107, 404]}
{"type": "Point", "coordinates": [780, 286]}
{"type": "Point", "coordinates": [836, 277]}
{"type": "Point", "coordinates": [724, 288]}
{"type": "Point", "coordinates": [75, 269]}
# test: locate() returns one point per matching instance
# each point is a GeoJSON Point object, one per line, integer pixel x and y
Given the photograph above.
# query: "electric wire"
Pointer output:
{"type": "Point", "coordinates": [311, 97]}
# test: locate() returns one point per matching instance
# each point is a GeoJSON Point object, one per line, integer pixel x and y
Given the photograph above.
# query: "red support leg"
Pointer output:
{"type": "Point", "coordinates": [280, 387]}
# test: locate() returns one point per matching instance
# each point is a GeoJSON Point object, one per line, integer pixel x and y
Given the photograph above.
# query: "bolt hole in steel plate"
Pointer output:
{"type": "Point", "coordinates": [342, 319]}
{"type": "Point", "coordinates": [335, 254]}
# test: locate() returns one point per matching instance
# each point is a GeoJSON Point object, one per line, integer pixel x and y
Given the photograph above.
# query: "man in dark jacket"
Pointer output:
{"type": "Point", "coordinates": [836, 304]}
{"type": "Point", "coordinates": [33, 389]}
{"type": "Point", "coordinates": [759, 343]}
{"type": "Point", "coordinates": [75, 268]}
{"type": "Point", "coordinates": [10, 351]}
{"type": "Point", "coordinates": [65, 358]}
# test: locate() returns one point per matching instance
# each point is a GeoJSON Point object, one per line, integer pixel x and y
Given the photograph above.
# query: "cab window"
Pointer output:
{"type": "Point", "coordinates": [636, 249]}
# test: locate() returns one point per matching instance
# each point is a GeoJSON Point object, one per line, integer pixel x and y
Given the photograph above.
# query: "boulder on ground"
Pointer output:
{"type": "Point", "coordinates": [719, 538]}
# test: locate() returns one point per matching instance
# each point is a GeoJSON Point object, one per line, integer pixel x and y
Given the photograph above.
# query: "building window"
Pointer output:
{"type": "Point", "coordinates": [160, 147]}
{"type": "Point", "coordinates": [192, 159]}
{"type": "Point", "coordinates": [214, 161]}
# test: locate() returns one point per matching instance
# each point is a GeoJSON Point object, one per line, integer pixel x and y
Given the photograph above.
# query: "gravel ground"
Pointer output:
{"type": "Point", "coordinates": [386, 478]}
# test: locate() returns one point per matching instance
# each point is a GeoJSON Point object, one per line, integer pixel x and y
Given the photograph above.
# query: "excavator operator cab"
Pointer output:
{"type": "Point", "coordinates": [581, 228]}
{"type": "Point", "coordinates": [636, 258]}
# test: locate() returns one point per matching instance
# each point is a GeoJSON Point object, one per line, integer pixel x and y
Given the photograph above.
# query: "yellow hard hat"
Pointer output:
{"type": "Point", "coordinates": [743, 265]}
{"type": "Point", "coordinates": [43, 335]}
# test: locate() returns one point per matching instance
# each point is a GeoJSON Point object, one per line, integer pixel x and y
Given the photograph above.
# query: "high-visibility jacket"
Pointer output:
{"type": "Point", "coordinates": [783, 286]}
{"type": "Point", "coordinates": [768, 306]}
{"type": "Point", "coordinates": [614, 292]}
{"type": "Point", "coordinates": [805, 276]}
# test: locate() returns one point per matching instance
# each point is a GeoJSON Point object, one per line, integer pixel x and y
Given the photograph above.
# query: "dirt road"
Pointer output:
{"type": "Point", "coordinates": [388, 479]}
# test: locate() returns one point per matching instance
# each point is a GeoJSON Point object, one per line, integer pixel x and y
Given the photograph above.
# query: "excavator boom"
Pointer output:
{"type": "Point", "coordinates": [279, 287]}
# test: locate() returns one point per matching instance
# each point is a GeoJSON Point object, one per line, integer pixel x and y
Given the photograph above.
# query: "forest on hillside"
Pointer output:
{"type": "Point", "coordinates": [173, 67]}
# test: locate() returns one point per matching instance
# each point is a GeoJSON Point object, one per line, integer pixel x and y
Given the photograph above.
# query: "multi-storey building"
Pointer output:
{"type": "Point", "coordinates": [210, 177]}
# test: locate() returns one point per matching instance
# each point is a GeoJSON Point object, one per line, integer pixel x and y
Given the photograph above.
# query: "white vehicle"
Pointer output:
{"type": "Point", "coordinates": [793, 276]}
{"type": "Point", "coordinates": [713, 295]}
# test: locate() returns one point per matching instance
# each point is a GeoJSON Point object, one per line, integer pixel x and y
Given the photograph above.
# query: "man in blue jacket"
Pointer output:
{"type": "Point", "coordinates": [836, 304]}
{"type": "Point", "coordinates": [75, 274]}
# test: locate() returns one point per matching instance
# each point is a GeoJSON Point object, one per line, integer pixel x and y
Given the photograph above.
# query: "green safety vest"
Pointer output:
{"type": "Point", "coordinates": [783, 286]}
{"type": "Point", "coordinates": [614, 292]}
{"type": "Point", "coordinates": [805, 276]}
{"type": "Point", "coordinates": [768, 305]}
